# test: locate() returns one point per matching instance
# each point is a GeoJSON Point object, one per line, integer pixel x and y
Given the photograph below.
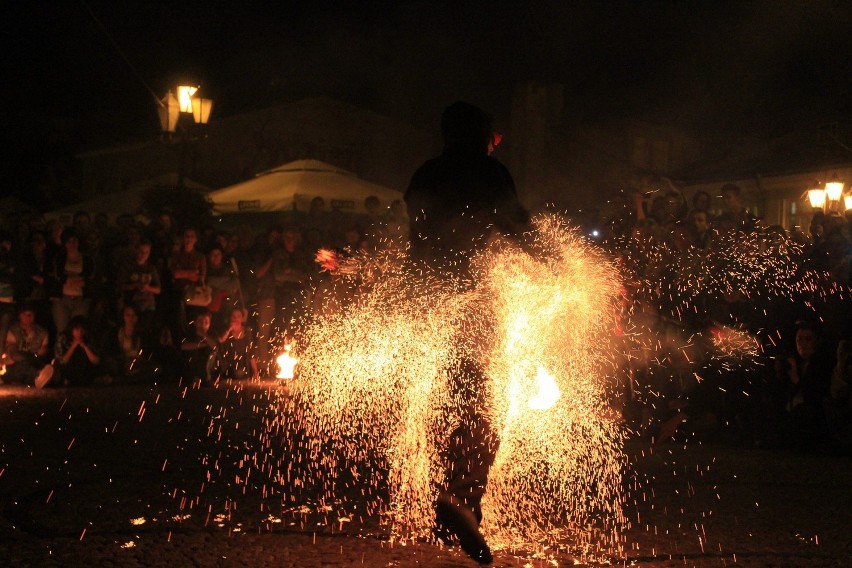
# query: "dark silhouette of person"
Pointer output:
{"type": "Point", "coordinates": [456, 203]}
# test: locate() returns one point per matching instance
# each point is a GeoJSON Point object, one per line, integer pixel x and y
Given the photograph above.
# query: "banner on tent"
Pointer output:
{"type": "Point", "coordinates": [342, 204]}
{"type": "Point", "coordinates": [248, 205]}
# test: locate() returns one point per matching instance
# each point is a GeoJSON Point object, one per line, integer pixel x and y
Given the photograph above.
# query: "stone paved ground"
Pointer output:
{"type": "Point", "coordinates": [137, 476]}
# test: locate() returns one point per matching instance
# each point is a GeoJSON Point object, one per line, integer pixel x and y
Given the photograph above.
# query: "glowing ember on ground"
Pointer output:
{"type": "Point", "coordinates": [378, 375]}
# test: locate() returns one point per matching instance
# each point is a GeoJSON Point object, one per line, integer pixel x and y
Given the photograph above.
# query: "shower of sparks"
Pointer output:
{"type": "Point", "coordinates": [732, 342]}
{"type": "Point", "coordinates": [375, 397]}
{"type": "Point", "coordinates": [557, 473]}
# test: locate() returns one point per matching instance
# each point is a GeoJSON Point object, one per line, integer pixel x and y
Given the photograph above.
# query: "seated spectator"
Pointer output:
{"type": "Point", "coordinates": [26, 356]}
{"type": "Point", "coordinates": [198, 350]}
{"type": "Point", "coordinates": [77, 357]}
{"type": "Point", "coordinates": [236, 358]}
{"type": "Point", "coordinates": [127, 358]}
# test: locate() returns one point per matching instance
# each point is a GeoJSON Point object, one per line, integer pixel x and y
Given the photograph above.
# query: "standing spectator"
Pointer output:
{"type": "Point", "coordinates": [222, 278]}
{"type": "Point", "coordinates": [34, 276]}
{"type": "Point", "coordinates": [162, 234]}
{"type": "Point", "coordinates": [695, 233]}
{"type": "Point", "coordinates": [373, 223]}
{"type": "Point", "coordinates": [54, 240]}
{"type": "Point", "coordinates": [82, 224]}
{"type": "Point", "coordinates": [188, 267]}
{"type": "Point", "coordinates": [139, 284]}
{"type": "Point", "coordinates": [701, 202]}
{"type": "Point", "coordinates": [291, 266]}
{"type": "Point", "coordinates": [125, 251]}
{"type": "Point", "coordinates": [26, 355]}
{"type": "Point", "coordinates": [73, 270]}
{"type": "Point", "coordinates": [264, 293]}
{"type": "Point", "coordinates": [397, 222]}
{"type": "Point", "coordinates": [317, 219]}
{"type": "Point", "coordinates": [735, 217]}
{"type": "Point", "coordinates": [77, 357]}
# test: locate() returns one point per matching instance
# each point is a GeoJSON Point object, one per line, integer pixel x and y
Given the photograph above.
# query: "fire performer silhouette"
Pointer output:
{"type": "Point", "coordinates": [457, 203]}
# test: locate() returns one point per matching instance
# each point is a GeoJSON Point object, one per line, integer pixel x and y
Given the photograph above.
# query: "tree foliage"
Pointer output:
{"type": "Point", "coordinates": [188, 207]}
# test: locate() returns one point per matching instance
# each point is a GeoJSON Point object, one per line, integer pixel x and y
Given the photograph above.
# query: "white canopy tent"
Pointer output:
{"type": "Point", "coordinates": [292, 186]}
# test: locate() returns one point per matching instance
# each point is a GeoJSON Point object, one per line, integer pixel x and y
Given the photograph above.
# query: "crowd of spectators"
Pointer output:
{"type": "Point", "coordinates": [736, 328]}
{"type": "Point", "coordinates": [133, 301]}
{"type": "Point", "coordinates": [142, 301]}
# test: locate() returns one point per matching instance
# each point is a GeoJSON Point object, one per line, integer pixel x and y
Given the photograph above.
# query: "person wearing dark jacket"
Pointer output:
{"type": "Point", "coordinates": [456, 203]}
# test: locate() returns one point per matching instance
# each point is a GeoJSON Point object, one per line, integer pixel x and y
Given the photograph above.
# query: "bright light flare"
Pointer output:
{"type": "Point", "coordinates": [287, 363]}
{"type": "Point", "coordinates": [547, 393]}
{"type": "Point", "coordinates": [185, 93]}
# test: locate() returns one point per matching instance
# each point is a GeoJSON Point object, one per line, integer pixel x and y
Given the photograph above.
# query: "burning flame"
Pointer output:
{"type": "Point", "coordinates": [287, 363]}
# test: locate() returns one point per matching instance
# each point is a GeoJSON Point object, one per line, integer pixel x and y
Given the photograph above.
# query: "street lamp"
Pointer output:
{"type": "Point", "coordinates": [172, 108]}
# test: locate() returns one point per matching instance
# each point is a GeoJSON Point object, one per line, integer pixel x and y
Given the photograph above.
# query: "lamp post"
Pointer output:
{"type": "Point", "coordinates": [173, 108]}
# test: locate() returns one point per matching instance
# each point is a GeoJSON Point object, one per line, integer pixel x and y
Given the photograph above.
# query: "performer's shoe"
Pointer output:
{"type": "Point", "coordinates": [456, 518]}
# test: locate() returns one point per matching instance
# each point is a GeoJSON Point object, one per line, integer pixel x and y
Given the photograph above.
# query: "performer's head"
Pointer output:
{"type": "Point", "coordinates": [466, 128]}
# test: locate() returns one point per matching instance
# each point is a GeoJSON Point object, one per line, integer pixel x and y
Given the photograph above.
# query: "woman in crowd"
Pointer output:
{"type": "Point", "coordinates": [128, 357]}
{"type": "Point", "coordinates": [73, 270]}
{"type": "Point", "coordinates": [78, 359]}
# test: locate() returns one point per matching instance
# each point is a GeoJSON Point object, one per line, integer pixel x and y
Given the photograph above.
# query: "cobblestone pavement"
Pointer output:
{"type": "Point", "coordinates": [157, 476]}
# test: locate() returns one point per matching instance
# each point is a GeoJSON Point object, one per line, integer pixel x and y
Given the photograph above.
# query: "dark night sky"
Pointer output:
{"type": "Point", "coordinates": [718, 68]}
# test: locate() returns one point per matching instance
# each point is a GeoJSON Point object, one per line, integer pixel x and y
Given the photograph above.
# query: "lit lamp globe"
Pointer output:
{"type": "Point", "coordinates": [833, 190]}
{"type": "Point", "coordinates": [169, 111]}
{"type": "Point", "coordinates": [184, 96]}
{"type": "Point", "coordinates": [847, 202]}
{"type": "Point", "coordinates": [201, 109]}
{"type": "Point", "coordinates": [816, 198]}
